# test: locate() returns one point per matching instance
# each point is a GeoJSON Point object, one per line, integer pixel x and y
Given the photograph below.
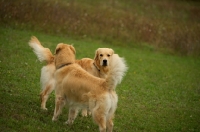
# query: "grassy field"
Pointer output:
{"type": "Point", "coordinates": [160, 92]}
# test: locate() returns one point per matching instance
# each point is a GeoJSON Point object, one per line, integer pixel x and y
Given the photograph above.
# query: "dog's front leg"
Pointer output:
{"type": "Point", "coordinates": [59, 104]}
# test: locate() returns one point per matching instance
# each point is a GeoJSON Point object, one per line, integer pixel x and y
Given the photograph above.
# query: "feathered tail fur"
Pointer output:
{"type": "Point", "coordinates": [43, 54]}
{"type": "Point", "coordinates": [117, 71]}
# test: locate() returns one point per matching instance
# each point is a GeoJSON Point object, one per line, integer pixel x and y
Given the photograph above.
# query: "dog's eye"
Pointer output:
{"type": "Point", "coordinates": [108, 55]}
{"type": "Point", "coordinates": [101, 55]}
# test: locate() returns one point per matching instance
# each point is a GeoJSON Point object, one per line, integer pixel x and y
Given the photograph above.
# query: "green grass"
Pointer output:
{"type": "Point", "coordinates": [160, 92]}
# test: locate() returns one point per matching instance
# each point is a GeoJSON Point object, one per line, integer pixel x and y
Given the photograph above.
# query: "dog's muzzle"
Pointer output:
{"type": "Point", "coordinates": [105, 63]}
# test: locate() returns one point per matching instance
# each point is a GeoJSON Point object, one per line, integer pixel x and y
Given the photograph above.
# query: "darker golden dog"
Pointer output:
{"type": "Point", "coordinates": [79, 89]}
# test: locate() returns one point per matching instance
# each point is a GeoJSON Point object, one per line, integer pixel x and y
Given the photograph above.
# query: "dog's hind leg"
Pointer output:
{"type": "Point", "coordinates": [59, 104]}
{"type": "Point", "coordinates": [109, 123]}
{"type": "Point", "coordinates": [111, 112]}
{"type": "Point", "coordinates": [44, 95]}
{"type": "Point", "coordinates": [100, 118]}
{"type": "Point", "coordinates": [73, 112]}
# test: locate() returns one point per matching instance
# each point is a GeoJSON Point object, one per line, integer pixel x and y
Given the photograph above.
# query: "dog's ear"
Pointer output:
{"type": "Point", "coordinates": [73, 49]}
{"type": "Point", "coordinates": [112, 51]}
{"type": "Point", "coordinates": [96, 55]}
{"type": "Point", "coordinates": [58, 48]}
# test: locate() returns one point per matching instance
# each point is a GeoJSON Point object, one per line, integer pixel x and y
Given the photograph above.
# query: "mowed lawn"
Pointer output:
{"type": "Point", "coordinates": [160, 92]}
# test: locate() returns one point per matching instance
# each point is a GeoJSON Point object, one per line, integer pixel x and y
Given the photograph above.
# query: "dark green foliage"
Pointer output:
{"type": "Point", "coordinates": [169, 24]}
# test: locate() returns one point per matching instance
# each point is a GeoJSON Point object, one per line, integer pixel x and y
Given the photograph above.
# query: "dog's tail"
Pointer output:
{"type": "Point", "coordinates": [43, 54]}
{"type": "Point", "coordinates": [118, 69]}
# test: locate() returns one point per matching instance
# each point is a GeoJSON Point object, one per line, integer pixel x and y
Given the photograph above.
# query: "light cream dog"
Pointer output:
{"type": "Point", "coordinates": [79, 89]}
{"type": "Point", "coordinates": [98, 67]}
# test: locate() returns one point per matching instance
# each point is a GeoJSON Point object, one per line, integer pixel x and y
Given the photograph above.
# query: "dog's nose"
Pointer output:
{"type": "Point", "coordinates": [104, 61]}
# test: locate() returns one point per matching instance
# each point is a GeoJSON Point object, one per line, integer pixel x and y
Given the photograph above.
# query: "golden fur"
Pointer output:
{"type": "Point", "coordinates": [79, 89]}
{"type": "Point", "coordinates": [98, 67]}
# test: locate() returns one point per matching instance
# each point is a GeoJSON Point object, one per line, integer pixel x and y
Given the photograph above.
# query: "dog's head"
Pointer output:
{"type": "Point", "coordinates": [103, 56]}
{"type": "Point", "coordinates": [64, 54]}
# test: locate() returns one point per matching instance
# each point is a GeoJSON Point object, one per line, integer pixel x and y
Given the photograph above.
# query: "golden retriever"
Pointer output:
{"type": "Point", "coordinates": [98, 67]}
{"type": "Point", "coordinates": [79, 89]}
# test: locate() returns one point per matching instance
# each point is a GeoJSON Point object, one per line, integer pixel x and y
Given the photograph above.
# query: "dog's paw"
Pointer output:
{"type": "Point", "coordinates": [44, 109]}
{"type": "Point", "coordinates": [84, 113]}
{"type": "Point", "coordinates": [66, 122]}
{"type": "Point", "coordinates": [54, 119]}
{"type": "Point", "coordinates": [69, 122]}
{"type": "Point", "coordinates": [89, 113]}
